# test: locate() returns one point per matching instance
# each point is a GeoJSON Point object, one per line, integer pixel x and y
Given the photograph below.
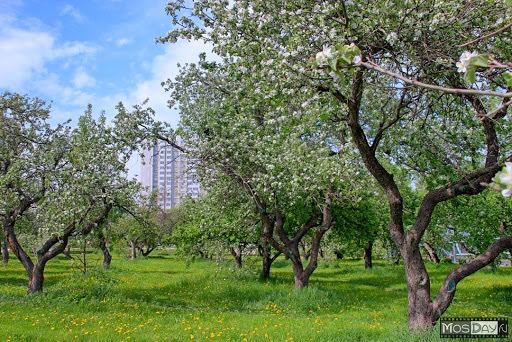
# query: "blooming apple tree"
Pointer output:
{"type": "Point", "coordinates": [389, 80]}
{"type": "Point", "coordinates": [274, 147]}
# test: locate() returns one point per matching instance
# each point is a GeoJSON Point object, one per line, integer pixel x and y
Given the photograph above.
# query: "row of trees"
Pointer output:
{"type": "Point", "coordinates": [60, 183]}
{"type": "Point", "coordinates": [316, 106]}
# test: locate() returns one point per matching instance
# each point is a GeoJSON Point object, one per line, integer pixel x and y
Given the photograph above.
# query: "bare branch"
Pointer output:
{"type": "Point", "coordinates": [449, 90]}
{"type": "Point", "coordinates": [447, 292]}
{"type": "Point", "coordinates": [486, 36]}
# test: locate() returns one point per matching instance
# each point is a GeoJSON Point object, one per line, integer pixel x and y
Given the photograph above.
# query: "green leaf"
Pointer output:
{"type": "Point", "coordinates": [508, 78]}
{"type": "Point", "coordinates": [333, 63]}
{"type": "Point", "coordinates": [480, 61]}
{"type": "Point", "coordinates": [324, 116]}
{"type": "Point", "coordinates": [470, 75]}
{"type": "Point", "coordinates": [346, 53]}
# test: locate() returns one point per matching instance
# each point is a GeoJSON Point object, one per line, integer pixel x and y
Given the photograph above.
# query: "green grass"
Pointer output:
{"type": "Point", "coordinates": [164, 299]}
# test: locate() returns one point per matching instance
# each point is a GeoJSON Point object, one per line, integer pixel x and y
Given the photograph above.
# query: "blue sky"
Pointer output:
{"type": "Point", "coordinates": [96, 51]}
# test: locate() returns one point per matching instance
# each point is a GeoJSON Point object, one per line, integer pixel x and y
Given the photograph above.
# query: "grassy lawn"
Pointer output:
{"type": "Point", "coordinates": [165, 299]}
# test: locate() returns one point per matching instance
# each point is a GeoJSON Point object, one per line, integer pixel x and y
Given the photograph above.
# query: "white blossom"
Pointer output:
{"type": "Point", "coordinates": [392, 38]}
{"type": "Point", "coordinates": [463, 62]}
{"type": "Point", "coordinates": [323, 57]}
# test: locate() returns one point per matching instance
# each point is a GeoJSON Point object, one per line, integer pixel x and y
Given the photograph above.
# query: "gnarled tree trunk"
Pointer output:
{"type": "Point", "coordinates": [301, 279]}
{"type": "Point", "coordinates": [419, 305]}
{"type": "Point", "coordinates": [16, 248]}
{"type": "Point", "coordinates": [266, 249]}
{"type": "Point", "coordinates": [236, 252]}
{"type": "Point", "coordinates": [51, 248]}
{"type": "Point", "coordinates": [422, 312]}
{"type": "Point", "coordinates": [266, 258]}
{"type": "Point", "coordinates": [146, 252]}
{"type": "Point", "coordinates": [133, 249]}
{"type": "Point", "coordinates": [107, 257]}
{"type": "Point", "coordinates": [368, 255]}
{"type": "Point", "coordinates": [290, 246]}
{"type": "Point", "coordinates": [36, 280]}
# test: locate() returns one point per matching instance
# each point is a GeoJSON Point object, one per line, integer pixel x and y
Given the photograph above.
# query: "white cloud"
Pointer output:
{"type": "Point", "coordinates": [163, 67]}
{"type": "Point", "coordinates": [123, 41]}
{"type": "Point", "coordinates": [25, 53]}
{"type": "Point", "coordinates": [81, 79]}
{"type": "Point", "coordinates": [72, 49]}
{"type": "Point", "coordinates": [72, 12]}
{"type": "Point", "coordinates": [68, 96]}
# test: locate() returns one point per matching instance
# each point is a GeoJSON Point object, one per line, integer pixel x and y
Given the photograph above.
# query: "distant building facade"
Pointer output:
{"type": "Point", "coordinates": [170, 173]}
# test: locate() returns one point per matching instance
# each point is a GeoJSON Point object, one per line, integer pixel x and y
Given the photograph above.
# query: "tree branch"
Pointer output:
{"type": "Point", "coordinates": [486, 36]}
{"type": "Point", "coordinates": [447, 292]}
{"type": "Point", "coordinates": [471, 184]}
{"type": "Point", "coordinates": [459, 91]}
{"type": "Point", "coordinates": [383, 177]}
{"type": "Point", "coordinates": [304, 229]}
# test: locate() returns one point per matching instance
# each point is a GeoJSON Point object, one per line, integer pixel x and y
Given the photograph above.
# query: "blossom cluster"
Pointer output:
{"type": "Point", "coordinates": [344, 54]}
{"type": "Point", "coordinates": [465, 60]}
{"type": "Point", "coordinates": [504, 180]}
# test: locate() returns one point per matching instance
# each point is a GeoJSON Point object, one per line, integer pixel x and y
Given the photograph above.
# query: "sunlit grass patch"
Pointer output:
{"type": "Point", "coordinates": [165, 298]}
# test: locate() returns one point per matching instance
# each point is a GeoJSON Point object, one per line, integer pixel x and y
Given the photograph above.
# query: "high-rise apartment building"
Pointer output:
{"type": "Point", "coordinates": [170, 173]}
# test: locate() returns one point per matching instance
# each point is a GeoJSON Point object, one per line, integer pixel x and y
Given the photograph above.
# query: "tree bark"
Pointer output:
{"type": "Point", "coordinates": [5, 252]}
{"type": "Point", "coordinates": [236, 252]}
{"type": "Point", "coordinates": [107, 257]}
{"type": "Point", "coordinates": [432, 254]}
{"type": "Point", "coordinates": [447, 292]}
{"type": "Point", "coordinates": [290, 247]}
{"type": "Point", "coordinates": [368, 255]}
{"type": "Point", "coordinates": [266, 250]}
{"type": "Point", "coordinates": [36, 280]}
{"type": "Point", "coordinates": [52, 247]}
{"type": "Point", "coordinates": [16, 248]}
{"type": "Point", "coordinates": [419, 305]}
{"type": "Point", "coordinates": [133, 249]}
{"type": "Point", "coordinates": [300, 278]}
{"type": "Point", "coordinates": [307, 254]}
{"type": "Point", "coordinates": [266, 259]}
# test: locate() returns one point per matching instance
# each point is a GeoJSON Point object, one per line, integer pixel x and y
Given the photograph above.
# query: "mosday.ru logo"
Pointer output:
{"type": "Point", "coordinates": [474, 327]}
